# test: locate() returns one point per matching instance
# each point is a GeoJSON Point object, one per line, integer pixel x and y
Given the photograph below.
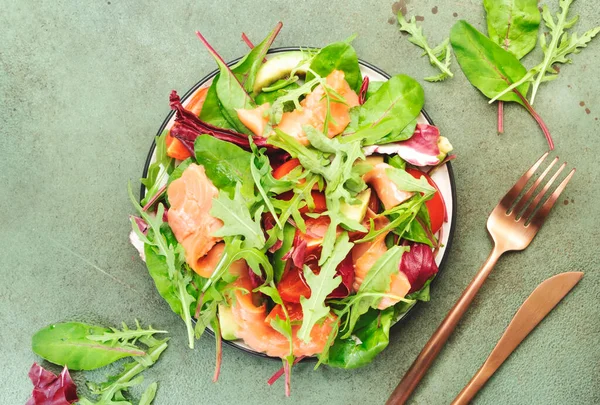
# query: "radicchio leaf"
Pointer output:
{"type": "Point", "coordinates": [346, 271]}
{"type": "Point", "coordinates": [419, 150]}
{"type": "Point", "coordinates": [49, 389]}
{"type": "Point", "coordinates": [419, 265]}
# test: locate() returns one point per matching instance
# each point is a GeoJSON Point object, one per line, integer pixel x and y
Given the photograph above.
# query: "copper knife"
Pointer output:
{"type": "Point", "coordinates": [535, 308]}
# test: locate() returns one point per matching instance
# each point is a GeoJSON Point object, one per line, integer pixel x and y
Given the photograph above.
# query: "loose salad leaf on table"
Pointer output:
{"type": "Point", "coordinates": [290, 224]}
{"type": "Point", "coordinates": [80, 346]}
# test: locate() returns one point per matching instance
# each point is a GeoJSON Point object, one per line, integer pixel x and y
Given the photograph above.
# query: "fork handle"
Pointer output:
{"type": "Point", "coordinates": [433, 347]}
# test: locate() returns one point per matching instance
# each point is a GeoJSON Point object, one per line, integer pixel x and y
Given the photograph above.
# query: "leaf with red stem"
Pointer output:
{"type": "Point", "coordinates": [281, 371]}
{"type": "Point", "coordinates": [219, 350]}
{"type": "Point", "coordinates": [249, 43]}
{"type": "Point", "coordinates": [362, 94]}
{"type": "Point", "coordinates": [230, 91]}
{"type": "Point", "coordinates": [500, 117]}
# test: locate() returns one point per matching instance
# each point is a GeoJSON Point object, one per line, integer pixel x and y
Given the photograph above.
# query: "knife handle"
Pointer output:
{"type": "Point", "coordinates": [437, 341]}
{"type": "Point", "coordinates": [473, 387]}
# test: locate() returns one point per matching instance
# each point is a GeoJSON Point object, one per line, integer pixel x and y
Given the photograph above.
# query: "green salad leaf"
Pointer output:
{"type": "Point", "coordinates": [337, 56]}
{"type": "Point", "coordinates": [440, 56]}
{"type": "Point", "coordinates": [386, 113]}
{"type": "Point", "coordinates": [225, 164]}
{"type": "Point", "coordinates": [237, 220]}
{"type": "Point", "coordinates": [159, 170]}
{"type": "Point", "coordinates": [212, 111]}
{"type": "Point", "coordinates": [246, 69]}
{"type": "Point", "coordinates": [513, 24]}
{"type": "Point", "coordinates": [68, 344]}
{"type": "Point", "coordinates": [373, 288]}
{"type": "Point", "coordinates": [321, 285]}
{"type": "Point", "coordinates": [370, 336]}
{"type": "Point", "coordinates": [489, 67]}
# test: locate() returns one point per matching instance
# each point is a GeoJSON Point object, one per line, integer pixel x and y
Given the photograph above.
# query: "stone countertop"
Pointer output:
{"type": "Point", "coordinates": [84, 87]}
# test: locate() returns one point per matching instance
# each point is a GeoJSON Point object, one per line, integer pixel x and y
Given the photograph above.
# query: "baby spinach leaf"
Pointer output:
{"type": "Point", "coordinates": [226, 164]}
{"type": "Point", "coordinates": [159, 170]}
{"type": "Point", "coordinates": [371, 335]}
{"type": "Point", "coordinates": [67, 344]}
{"type": "Point", "coordinates": [337, 56]}
{"type": "Point", "coordinates": [321, 285]}
{"type": "Point", "coordinates": [396, 104]}
{"type": "Point", "coordinates": [488, 67]}
{"type": "Point", "coordinates": [513, 24]}
{"type": "Point", "coordinates": [230, 92]}
{"type": "Point", "coordinates": [211, 109]}
{"type": "Point", "coordinates": [246, 69]}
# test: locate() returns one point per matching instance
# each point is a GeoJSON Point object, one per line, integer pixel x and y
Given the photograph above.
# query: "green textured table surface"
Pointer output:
{"type": "Point", "coordinates": [83, 88]}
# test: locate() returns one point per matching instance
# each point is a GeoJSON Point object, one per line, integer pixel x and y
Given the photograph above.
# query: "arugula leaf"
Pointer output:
{"type": "Point", "coordinates": [159, 170]}
{"type": "Point", "coordinates": [513, 24]}
{"type": "Point", "coordinates": [440, 56]}
{"type": "Point", "coordinates": [246, 69]}
{"type": "Point", "coordinates": [291, 96]}
{"type": "Point", "coordinates": [337, 56]}
{"type": "Point", "coordinates": [375, 285]}
{"type": "Point", "coordinates": [112, 391]}
{"type": "Point", "coordinates": [289, 232]}
{"type": "Point", "coordinates": [232, 95]}
{"type": "Point", "coordinates": [237, 220]}
{"type": "Point", "coordinates": [291, 208]}
{"type": "Point", "coordinates": [561, 46]}
{"type": "Point", "coordinates": [321, 285]}
{"type": "Point", "coordinates": [401, 217]}
{"type": "Point", "coordinates": [407, 182]}
{"type": "Point", "coordinates": [225, 164]}
{"type": "Point", "coordinates": [126, 335]}
{"type": "Point", "coordinates": [396, 104]}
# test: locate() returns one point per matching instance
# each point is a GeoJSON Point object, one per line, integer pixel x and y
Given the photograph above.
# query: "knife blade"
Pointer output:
{"type": "Point", "coordinates": [535, 308]}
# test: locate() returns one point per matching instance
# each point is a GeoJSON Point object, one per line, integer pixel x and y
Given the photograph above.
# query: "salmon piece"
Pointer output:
{"type": "Point", "coordinates": [387, 191]}
{"type": "Point", "coordinates": [364, 256]}
{"type": "Point", "coordinates": [253, 329]}
{"type": "Point", "coordinates": [314, 110]}
{"type": "Point", "coordinates": [255, 119]}
{"type": "Point", "coordinates": [191, 200]}
{"type": "Point", "coordinates": [175, 148]}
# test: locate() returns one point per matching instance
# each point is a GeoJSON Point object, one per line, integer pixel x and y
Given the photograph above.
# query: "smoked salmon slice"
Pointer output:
{"type": "Point", "coordinates": [387, 191]}
{"type": "Point", "coordinates": [189, 217]}
{"type": "Point", "coordinates": [259, 335]}
{"type": "Point", "coordinates": [312, 112]}
{"type": "Point", "coordinates": [364, 256]}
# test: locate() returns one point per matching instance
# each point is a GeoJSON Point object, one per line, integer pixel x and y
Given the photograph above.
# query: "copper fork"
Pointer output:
{"type": "Point", "coordinates": [512, 224]}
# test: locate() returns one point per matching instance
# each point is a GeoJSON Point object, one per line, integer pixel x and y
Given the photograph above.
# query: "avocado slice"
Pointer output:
{"type": "Point", "coordinates": [357, 212]}
{"type": "Point", "coordinates": [278, 67]}
{"type": "Point", "coordinates": [228, 325]}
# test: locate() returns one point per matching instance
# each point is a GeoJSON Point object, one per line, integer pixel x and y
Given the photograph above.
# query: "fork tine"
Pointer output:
{"type": "Point", "coordinates": [513, 193]}
{"type": "Point", "coordinates": [529, 210]}
{"type": "Point", "coordinates": [540, 216]}
{"type": "Point", "coordinates": [527, 196]}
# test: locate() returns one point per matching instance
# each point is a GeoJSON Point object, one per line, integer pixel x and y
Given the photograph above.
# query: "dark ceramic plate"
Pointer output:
{"type": "Point", "coordinates": [444, 176]}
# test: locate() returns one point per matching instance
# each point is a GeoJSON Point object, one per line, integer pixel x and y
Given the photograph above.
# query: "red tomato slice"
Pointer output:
{"type": "Point", "coordinates": [294, 311]}
{"type": "Point", "coordinates": [435, 206]}
{"type": "Point", "coordinates": [285, 168]}
{"type": "Point", "coordinates": [292, 286]}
